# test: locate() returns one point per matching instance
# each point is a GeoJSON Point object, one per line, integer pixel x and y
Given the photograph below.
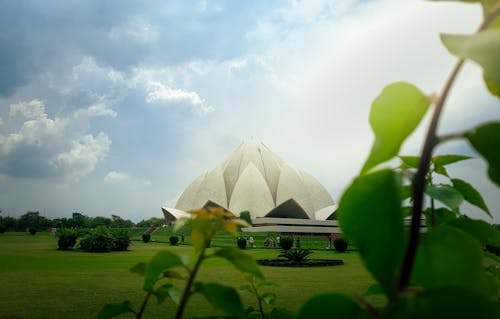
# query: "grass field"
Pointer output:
{"type": "Point", "coordinates": [39, 281]}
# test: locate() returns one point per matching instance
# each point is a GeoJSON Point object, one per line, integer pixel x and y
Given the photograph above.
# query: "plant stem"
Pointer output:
{"type": "Point", "coordinates": [187, 290]}
{"type": "Point", "coordinates": [419, 182]}
{"type": "Point", "coordinates": [259, 299]}
{"type": "Point", "coordinates": [143, 307]}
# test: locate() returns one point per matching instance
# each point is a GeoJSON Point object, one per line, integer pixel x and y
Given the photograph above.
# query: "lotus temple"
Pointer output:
{"type": "Point", "coordinates": [279, 197]}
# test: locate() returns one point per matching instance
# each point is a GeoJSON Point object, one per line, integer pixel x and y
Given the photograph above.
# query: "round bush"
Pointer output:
{"type": "Point", "coordinates": [242, 243]}
{"type": "Point", "coordinates": [173, 240]}
{"type": "Point", "coordinates": [146, 237]}
{"type": "Point", "coordinates": [67, 239]}
{"type": "Point", "coordinates": [32, 230]}
{"type": "Point", "coordinates": [340, 245]}
{"type": "Point", "coordinates": [99, 240]}
{"type": "Point", "coordinates": [286, 243]}
{"type": "Point", "coordinates": [121, 240]}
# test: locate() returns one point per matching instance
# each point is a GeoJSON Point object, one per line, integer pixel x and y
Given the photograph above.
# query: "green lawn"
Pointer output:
{"type": "Point", "coordinates": [38, 281]}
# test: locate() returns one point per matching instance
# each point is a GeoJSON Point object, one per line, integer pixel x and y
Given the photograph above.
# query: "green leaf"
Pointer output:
{"type": "Point", "coordinates": [446, 195]}
{"type": "Point", "coordinates": [167, 290]}
{"type": "Point", "coordinates": [441, 160]}
{"type": "Point", "coordinates": [371, 209]}
{"type": "Point", "coordinates": [454, 302]}
{"type": "Point", "coordinates": [139, 268]}
{"type": "Point", "coordinates": [113, 310]}
{"type": "Point", "coordinates": [221, 297]}
{"type": "Point", "coordinates": [329, 306]}
{"type": "Point", "coordinates": [441, 216]}
{"type": "Point", "coordinates": [406, 191]}
{"type": "Point", "coordinates": [374, 289]}
{"type": "Point", "coordinates": [483, 48]}
{"type": "Point", "coordinates": [479, 229]}
{"type": "Point", "coordinates": [470, 194]}
{"type": "Point", "coordinates": [447, 257]}
{"type": "Point", "coordinates": [485, 139]}
{"type": "Point", "coordinates": [269, 298]}
{"type": "Point", "coordinates": [161, 262]}
{"type": "Point", "coordinates": [240, 260]}
{"type": "Point", "coordinates": [394, 115]}
{"type": "Point", "coordinates": [410, 161]}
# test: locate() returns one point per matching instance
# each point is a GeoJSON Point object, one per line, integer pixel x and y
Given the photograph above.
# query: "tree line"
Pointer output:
{"type": "Point", "coordinates": [40, 223]}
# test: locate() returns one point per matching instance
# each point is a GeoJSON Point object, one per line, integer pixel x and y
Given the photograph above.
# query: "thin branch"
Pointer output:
{"type": "Point", "coordinates": [143, 307]}
{"type": "Point", "coordinates": [449, 137]}
{"type": "Point", "coordinates": [419, 182]}
{"type": "Point", "coordinates": [374, 311]}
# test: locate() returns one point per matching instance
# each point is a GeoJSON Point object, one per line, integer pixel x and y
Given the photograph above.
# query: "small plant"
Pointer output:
{"type": "Point", "coordinates": [174, 240]}
{"type": "Point", "coordinates": [340, 245]}
{"type": "Point", "coordinates": [253, 287]}
{"type": "Point", "coordinates": [32, 231]}
{"type": "Point", "coordinates": [167, 266]}
{"type": "Point", "coordinates": [146, 237]}
{"type": "Point", "coordinates": [297, 255]}
{"type": "Point", "coordinates": [99, 240]}
{"type": "Point", "coordinates": [242, 242]}
{"type": "Point", "coordinates": [286, 243]}
{"type": "Point", "coordinates": [67, 239]}
{"type": "Point", "coordinates": [121, 239]}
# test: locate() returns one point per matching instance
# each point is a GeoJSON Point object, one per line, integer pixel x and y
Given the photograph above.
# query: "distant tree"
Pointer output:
{"type": "Point", "coordinates": [33, 220]}
{"type": "Point", "coordinates": [100, 221]}
{"type": "Point", "coordinates": [118, 222]}
{"type": "Point", "coordinates": [152, 222]}
{"type": "Point", "coordinates": [78, 221]}
{"type": "Point", "coordinates": [245, 215]}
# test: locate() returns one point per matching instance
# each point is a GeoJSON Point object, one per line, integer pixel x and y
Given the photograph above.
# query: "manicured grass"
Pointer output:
{"type": "Point", "coordinates": [38, 281]}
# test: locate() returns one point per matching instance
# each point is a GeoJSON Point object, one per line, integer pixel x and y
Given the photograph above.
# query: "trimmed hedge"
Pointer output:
{"type": "Point", "coordinates": [286, 243]}
{"type": "Point", "coordinates": [340, 245]}
{"type": "Point", "coordinates": [99, 240]}
{"type": "Point", "coordinates": [174, 240]}
{"type": "Point", "coordinates": [242, 243]}
{"type": "Point", "coordinates": [121, 239]}
{"type": "Point", "coordinates": [146, 237]}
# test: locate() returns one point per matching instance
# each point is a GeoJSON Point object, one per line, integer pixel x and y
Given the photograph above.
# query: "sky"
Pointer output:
{"type": "Point", "coordinates": [114, 107]}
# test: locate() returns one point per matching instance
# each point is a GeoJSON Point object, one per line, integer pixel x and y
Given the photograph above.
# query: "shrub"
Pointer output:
{"type": "Point", "coordinates": [121, 239]}
{"type": "Point", "coordinates": [3, 229]}
{"type": "Point", "coordinates": [286, 243]}
{"type": "Point", "coordinates": [67, 239]}
{"type": "Point", "coordinates": [242, 243]}
{"type": "Point", "coordinates": [146, 237]}
{"type": "Point", "coordinates": [32, 230]}
{"type": "Point", "coordinates": [174, 240]}
{"type": "Point", "coordinates": [493, 249]}
{"type": "Point", "coordinates": [340, 245]}
{"type": "Point", "coordinates": [297, 254]}
{"type": "Point", "coordinates": [99, 240]}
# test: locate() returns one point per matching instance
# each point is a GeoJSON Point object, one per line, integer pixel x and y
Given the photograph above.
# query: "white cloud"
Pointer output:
{"type": "Point", "coordinates": [136, 30]}
{"type": "Point", "coordinates": [114, 177]}
{"type": "Point", "coordinates": [58, 147]}
{"type": "Point", "coordinates": [161, 93]}
{"type": "Point", "coordinates": [147, 183]}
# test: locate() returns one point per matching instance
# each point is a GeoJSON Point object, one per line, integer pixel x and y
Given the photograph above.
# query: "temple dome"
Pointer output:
{"type": "Point", "coordinates": [254, 179]}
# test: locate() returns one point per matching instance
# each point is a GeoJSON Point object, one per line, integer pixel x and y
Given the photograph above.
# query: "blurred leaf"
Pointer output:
{"type": "Point", "coordinates": [486, 140]}
{"type": "Point", "coordinates": [440, 161]}
{"type": "Point", "coordinates": [221, 297]}
{"type": "Point", "coordinates": [441, 216]}
{"type": "Point", "coordinates": [263, 283]}
{"type": "Point", "coordinates": [139, 268]}
{"type": "Point", "coordinates": [374, 289]}
{"type": "Point", "coordinates": [269, 298]}
{"type": "Point", "coordinates": [371, 208]}
{"type": "Point", "coordinates": [479, 229]}
{"type": "Point", "coordinates": [329, 306]}
{"type": "Point", "coordinates": [173, 274]}
{"type": "Point", "coordinates": [161, 262]}
{"type": "Point", "coordinates": [167, 290]}
{"type": "Point", "coordinates": [406, 191]}
{"type": "Point", "coordinates": [407, 211]}
{"type": "Point", "coordinates": [447, 257]}
{"type": "Point", "coordinates": [454, 302]}
{"type": "Point", "coordinates": [470, 194]}
{"type": "Point", "coordinates": [113, 310]}
{"type": "Point", "coordinates": [240, 260]}
{"type": "Point", "coordinates": [394, 115]}
{"type": "Point", "coordinates": [410, 161]}
{"type": "Point", "coordinates": [483, 48]}
{"type": "Point", "coordinates": [446, 195]}
{"type": "Point", "coordinates": [245, 288]}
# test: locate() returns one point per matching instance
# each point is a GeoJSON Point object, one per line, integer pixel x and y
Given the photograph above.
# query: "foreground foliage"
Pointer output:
{"type": "Point", "coordinates": [420, 275]}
